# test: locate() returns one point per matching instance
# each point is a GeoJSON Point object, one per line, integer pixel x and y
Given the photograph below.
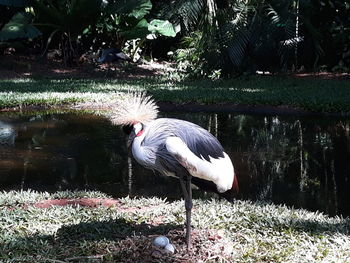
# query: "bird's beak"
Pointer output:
{"type": "Point", "coordinates": [130, 139]}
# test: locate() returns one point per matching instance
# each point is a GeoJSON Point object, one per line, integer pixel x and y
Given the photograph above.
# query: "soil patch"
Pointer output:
{"type": "Point", "coordinates": [207, 246]}
{"type": "Point", "coordinates": [231, 107]}
{"type": "Point", "coordinates": [324, 75]}
{"type": "Point", "coordinates": [88, 202]}
{"type": "Point", "coordinates": [25, 66]}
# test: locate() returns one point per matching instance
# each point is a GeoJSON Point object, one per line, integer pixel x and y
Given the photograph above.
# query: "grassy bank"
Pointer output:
{"type": "Point", "coordinates": [223, 232]}
{"type": "Point", "coordinates": [313, 94]}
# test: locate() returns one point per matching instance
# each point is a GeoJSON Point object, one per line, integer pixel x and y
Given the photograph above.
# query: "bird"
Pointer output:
{"type": "Point", "coordinates": [113, 55]}
{"type": "Point", "coordinates": [177, 148]}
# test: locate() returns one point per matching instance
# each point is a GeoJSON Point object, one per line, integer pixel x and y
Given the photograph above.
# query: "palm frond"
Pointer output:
{"type": "Point", "coordinates": [132, 8]}
{"type": "Point", "coordinates": [187, 14]}
{"type": "Point", "coordinates": [237, 44]}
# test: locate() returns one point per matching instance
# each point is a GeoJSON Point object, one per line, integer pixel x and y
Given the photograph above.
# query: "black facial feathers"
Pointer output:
{"type": "Point", "coordinates": [127, 129]}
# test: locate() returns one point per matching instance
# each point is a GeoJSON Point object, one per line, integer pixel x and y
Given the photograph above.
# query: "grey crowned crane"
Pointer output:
{"type": "Point", "coordinates": [177, 148]}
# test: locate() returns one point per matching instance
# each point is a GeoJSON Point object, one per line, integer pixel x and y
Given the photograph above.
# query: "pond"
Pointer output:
{"type": "Point", "coordinates": [300, 161]}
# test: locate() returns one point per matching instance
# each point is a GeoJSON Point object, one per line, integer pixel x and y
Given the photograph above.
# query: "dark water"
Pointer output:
{"type": "Point", "coordinates": [298, 161]}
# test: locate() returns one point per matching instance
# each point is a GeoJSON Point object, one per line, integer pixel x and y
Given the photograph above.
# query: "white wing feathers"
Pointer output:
{"type": "Point", "coordinates": [220, 170]}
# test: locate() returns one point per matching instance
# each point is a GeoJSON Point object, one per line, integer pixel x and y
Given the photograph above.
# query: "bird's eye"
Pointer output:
{"type": "Point", "coordinates": [127, 129]}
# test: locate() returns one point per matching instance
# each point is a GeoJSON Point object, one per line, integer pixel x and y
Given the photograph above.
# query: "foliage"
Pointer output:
{"type": "Point", "coordinates": [9, 8]}
{"type": "Point", "coordinates": [183, 14]}
{"type": "Point", "coordinates": [118, 16]}
{"type": "Point", "coordinates": [236, 37]}
{"type": "Point", "coordinates": [246, 36]}
{"type": "Point", "coordinates": [333, 22]}
{"type": "Point", "coordinates": [188, 55]}
{"type": "Point", "coordinates": [16, 23]}
{"type": "Point", "coordinates": [121, 21]}
{"type": "Point", "coordinates": [15, 3]}
{"type": "Point", "coordinates": [19, 27]}
{"type": "Point", "coordinates": [142, 29]}
{"type": "Point", "coordinates": [67, 19]}
{"type": "Point", "coordinates": [255, 33]}
{"type": "Point", "coordinates": [67, 24]}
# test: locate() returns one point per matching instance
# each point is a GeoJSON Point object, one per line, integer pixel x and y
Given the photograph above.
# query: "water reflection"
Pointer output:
{"type": "Point", "coordinates": [298, 161]}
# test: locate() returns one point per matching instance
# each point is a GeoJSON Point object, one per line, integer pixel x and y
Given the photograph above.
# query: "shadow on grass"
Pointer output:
{"type": "Point", "coordinates": [17, 66]}
{"type": "Point", "coordinates": [269, 91]}
{"type": "Point", "coordinates": [109, 230]}
{"type": "Point", "coordinates": [81, 240]}
{"type": "Point", "coordinates": [39, 85]}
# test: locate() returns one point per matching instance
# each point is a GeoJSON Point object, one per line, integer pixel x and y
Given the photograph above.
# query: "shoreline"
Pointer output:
{"type": "Point", "coordinates": [224, 107]}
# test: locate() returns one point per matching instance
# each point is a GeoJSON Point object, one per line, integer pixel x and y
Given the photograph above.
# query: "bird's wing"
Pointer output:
{"type": "Point", "coordinates": [122, 56]}
{"type": "Point", "coordinates": [218, 170]}
{"type": "Point", "coordinates": [201, 142]}
{"type": "Point", "coordinates": [198, 140]}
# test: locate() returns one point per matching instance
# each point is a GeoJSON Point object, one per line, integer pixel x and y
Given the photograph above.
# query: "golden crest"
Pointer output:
{"type": "Point", "coordinates": [134, 107]}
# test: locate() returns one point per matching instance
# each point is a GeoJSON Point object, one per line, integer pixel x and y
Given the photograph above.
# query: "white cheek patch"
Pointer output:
{"type": "Point", "coordinates": [137, 128]}
{"type": "Point", "coordinates": [218, 170]}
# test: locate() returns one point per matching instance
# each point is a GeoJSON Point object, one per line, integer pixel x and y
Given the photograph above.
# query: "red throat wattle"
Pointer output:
{"type": "Point", "coordinates": [139, 133]}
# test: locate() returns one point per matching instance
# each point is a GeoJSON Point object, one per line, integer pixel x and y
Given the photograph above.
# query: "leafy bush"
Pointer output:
{"type": "Point", "coordinates": [127, 20]}
{"type": "Point", "coordinates": [19, 27]}
{"type": "Point", "coordinates": [66, 20]}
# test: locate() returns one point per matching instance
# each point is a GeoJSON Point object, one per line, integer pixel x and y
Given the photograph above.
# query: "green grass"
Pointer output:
{"type": "Point", "coordinates": [249, 232]}
{"type": "Point", "coordinates": [313, 94]}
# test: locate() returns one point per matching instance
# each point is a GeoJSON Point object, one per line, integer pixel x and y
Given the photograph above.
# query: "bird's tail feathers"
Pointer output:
{"type": "Point", "coordinates": [229, 195]}
{"type": "Point", "coordinates": [134, 107]}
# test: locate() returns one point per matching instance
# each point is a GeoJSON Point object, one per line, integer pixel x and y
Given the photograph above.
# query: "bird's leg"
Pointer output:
{"type": "Point", "coordinates": [187, 191]}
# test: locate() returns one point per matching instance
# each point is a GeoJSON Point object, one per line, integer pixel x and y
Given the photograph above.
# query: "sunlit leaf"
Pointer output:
{"type": "Point", "coordinates": [156, 27]}
{"type": "Point", "coordinates": [19, 27]}
{"type": "Point", "coordinates": [139, 31]}
{"type": "Point", "coordinates": [162, 27]}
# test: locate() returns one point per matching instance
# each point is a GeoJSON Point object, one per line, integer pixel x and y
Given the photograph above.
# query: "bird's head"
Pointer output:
{"type": "Point", "coordinates": [134, 108]}
{"type": "Point", "coordinates": [134, 112]}
{"type": "Point", "coordinates": [133, 130]}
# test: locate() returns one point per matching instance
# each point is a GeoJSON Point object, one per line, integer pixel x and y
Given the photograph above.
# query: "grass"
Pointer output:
{"type": "Point", "coordinates": [312, 94]}
{"type": "Point", "coordinates": [223, 232]}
